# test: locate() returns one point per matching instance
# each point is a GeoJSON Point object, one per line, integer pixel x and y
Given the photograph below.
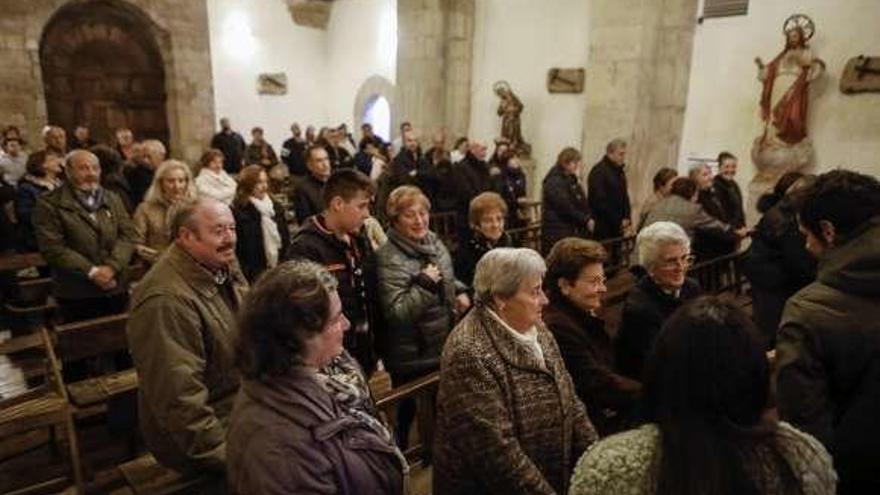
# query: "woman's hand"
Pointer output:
{"type": "Point", "coordinates": [462, 303]}
{"type": "Point", "coordinates": [432, 272]}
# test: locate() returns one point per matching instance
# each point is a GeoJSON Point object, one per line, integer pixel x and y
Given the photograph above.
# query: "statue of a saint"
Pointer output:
{"type": "Point", "coordinates": [786, 81]}
{"type": "Point", "coordinates": [509, 109]}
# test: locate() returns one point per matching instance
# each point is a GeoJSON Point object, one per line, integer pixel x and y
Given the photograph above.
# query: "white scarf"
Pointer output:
{"type": "Point", "coordinates": [271, 237]}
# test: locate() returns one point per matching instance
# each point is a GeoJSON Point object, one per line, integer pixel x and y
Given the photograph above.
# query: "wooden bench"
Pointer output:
{"type": "Point", "coordinates": [43, 407]}
{"type": "Point", "coordinates": [527, 237]}
{"type": "Point", "coordinates": [30, 301]}
{"type": "Point", "coordinates": [423, 390]}
{"type": "Point", "coordinates": [146, 476]}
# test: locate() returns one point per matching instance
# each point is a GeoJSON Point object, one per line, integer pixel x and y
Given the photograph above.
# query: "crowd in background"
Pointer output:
{"type": "Point", "coordinates": [346, 276]}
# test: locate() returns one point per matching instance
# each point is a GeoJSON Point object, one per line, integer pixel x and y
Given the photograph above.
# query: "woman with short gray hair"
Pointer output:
{"type": "Point", "coordinates": [664, 254]}
{"type": "Point", "coordinates": [508, 418]}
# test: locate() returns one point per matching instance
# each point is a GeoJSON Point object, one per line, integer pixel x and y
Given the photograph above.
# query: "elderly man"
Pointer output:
{"type": "Point", "coordinates": [827, 364]}
{"type": "Point", "coordinates": [87, 238]}
{"type": "Point", "coordinates": [472, 175]}
{"type": "Point", "coordinates": [609, 197]}
{"type": "Point", "coordinates": [147, 158]}
{"type": "Point", "coordinates": [55, 139]}
{"type": "Point", "coordinates": [181, 338]}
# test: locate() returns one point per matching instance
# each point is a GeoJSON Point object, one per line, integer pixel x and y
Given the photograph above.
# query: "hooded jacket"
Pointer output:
{"type": "Point", "coordinates": [828, 358]}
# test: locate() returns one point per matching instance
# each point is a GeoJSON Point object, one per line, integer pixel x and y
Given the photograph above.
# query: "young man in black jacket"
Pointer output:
{"type": "Point", "coordinates": [335, 238]}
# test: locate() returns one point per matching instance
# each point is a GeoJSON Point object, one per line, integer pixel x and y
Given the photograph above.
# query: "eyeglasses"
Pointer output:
{"type": "Point", "coordinates": [683, 261]}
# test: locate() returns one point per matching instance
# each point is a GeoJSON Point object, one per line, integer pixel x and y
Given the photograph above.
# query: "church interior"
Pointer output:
{"type": "Point", "coordinates": [439, 246]}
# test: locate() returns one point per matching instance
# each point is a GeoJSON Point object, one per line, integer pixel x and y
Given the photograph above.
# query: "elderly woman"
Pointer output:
{"type": "Point", "coordinates": [263, 235]}
{"type": "Point", "coordinates": [664, 255]}
{"type": "Point", "coordinates": [508, 417]}
{"type": "Point", "coordinates": [213, 181]}
{"type": "Point", "coordinates": [172, 184]}
{"type": "Point", "coordinates": [566, 211]}
{"type": "Point", "coordinates": [576, 283]}
{"type": "Point", "coordinates": [486, 216]}
{"type": "Point", "coordinates": [707, 397]}
{"type": "Point", "coordinates": [418, 293]}
{"type": "Point", "coordinates": [304, 421]}
{"type": "Point", "coordinates": [43, 174]}
{"type": "Point", "coordinates": [663, 180]}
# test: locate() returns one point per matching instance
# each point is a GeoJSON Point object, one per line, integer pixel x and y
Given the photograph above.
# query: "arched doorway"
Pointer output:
{"type": "Point", "coordinates": [102, 67]}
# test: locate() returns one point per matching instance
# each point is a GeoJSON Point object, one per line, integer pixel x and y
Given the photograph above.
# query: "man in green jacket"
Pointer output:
{"type": "Point", "coordinates": [828, 348]}
{"type": "Point", "coordinates": [181, 339]}
{"type": "Point", "coordinates": [87, 238]}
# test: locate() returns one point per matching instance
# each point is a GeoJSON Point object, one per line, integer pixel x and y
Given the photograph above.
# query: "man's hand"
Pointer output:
{"type": "Point", "coordinates": [104, 277]}
{"type": "Point", "coordinates": [591, 225]}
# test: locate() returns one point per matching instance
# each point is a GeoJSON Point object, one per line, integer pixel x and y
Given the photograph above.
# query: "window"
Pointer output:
{"type": "Point", "coordinates": [377, 113]}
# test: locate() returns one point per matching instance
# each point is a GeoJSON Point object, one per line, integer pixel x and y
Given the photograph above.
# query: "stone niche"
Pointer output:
{"type": "Point", "coordinates": [144, 64]}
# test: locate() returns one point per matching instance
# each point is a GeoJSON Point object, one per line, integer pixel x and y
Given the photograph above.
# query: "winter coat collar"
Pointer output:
{"type": "Point", "coordinates": [854, 266]}
{"type": "Point", "coordinates": [427, 249]}
{"type": "Point", "coordinates": [200, 278]}
{"type": "Point", "coordinates": [512, 351]}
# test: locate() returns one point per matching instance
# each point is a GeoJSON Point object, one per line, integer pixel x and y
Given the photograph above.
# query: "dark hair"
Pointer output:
{"type": "Point", "coordinates": [768, 200]}
{"type": "Point", "coordinates": [663, 176]}
{"type": "Point", "coordinates": [568, 155]}
{"type": "Point", "coordinates": [707, 384]}
{"type": "Point", "coordinates": [247, 181]}
{"type": "Point", "coordinates": [110, 159]}
{"type": "Point", "coordinates": [35, 164]}
{"type": "Point", "coordinates": [684, 187]}
{"type": "Point", "coordinates": [846, 199]}
{"type": "Point", "coordinates": [208, 156]}
{"type": "Point", "coordinates": [309, 149]}
{"type": "Point", "coordinates": [257, 129]}
{"type": "Point", "coordinates": [459, 141]}
{"type": "Point", "coordinates": [346, 183]}
{"type": "Point", "coordinates": [288, 305]}
{"type": "Point", "coordinates": [566, 260]}
{"type": "Point", "coordinates": [725, 155]}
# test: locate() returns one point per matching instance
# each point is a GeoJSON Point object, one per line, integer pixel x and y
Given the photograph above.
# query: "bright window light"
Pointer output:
{"type": "Point", "coordinates": [378, 114]}
{"type": "Point", "coordinates": [238, 38]}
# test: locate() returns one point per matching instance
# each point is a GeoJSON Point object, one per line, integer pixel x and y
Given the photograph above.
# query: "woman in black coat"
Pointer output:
{"type": "Point", "coordinates": [43, 175]}
{"type": "Point", "coordinates": [263, 235]}
{"type": "Point", "coordinates": [566, 212]}
{"type": "Point", "coordinates": [486, 217]}
{"type": "Point", "coordinates": [777, 263]}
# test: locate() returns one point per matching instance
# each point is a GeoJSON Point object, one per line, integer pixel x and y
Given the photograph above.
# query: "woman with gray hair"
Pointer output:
{"type": "Point", "coordinates": [664, 255]}
{"type": "Point", "coordinates": [304, 421]}
{"type": "Point", "coordinates": [172, 183]}
{"type": "Point", "coordinates": [508, 417]}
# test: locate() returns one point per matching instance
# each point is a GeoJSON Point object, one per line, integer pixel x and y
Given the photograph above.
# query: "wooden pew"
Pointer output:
{"type": "Point", "coordinates": [424, 390]}
{"type": "Point", "coordinates": [45, 407]}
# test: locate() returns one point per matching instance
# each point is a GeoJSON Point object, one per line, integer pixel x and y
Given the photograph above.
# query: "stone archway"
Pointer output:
{"type": "Point", "coordinates": [372, 88]}
{"type": "Point", "coordinates": [102, 65]}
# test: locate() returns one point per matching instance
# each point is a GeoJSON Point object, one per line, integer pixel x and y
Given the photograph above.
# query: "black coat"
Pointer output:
{"type": "Point", "coordinates": [356, 291]}
{"type": "Point", "coordinates": [307, 197]}
{"type": "Point", "coordinates": [589, 357]}
{"type": "Point", "coordinates": [404, 169]}
{"type": "Point", "coordinates": [249, 247]}
{"type": "Point", "coordinates": [470, 252]}
{"type": "Point", "coordinates": [25, 201]}
{"type": "Point", "coordinates": [713, 246]}
{"type": "Point", "coordinates": [438, 181]}
{"type": "Point", "coordinates": [645, 310]}
{"type": "Point", "coordinates": [339, 157]}
{"type": "Point", "coordinates": [609, 198]}
{"type": "Point", "coordinates": [472, 178]}
{"type": "Point", "coordinates": [140, 178]}
{"type": "Point", "coordinates": [232, 145]}
{"type": "Point", "coordinates": [730, 199]}
{"type": "Point", "coordinates": [511, 184]}
{"type": "Point", "coordinates": [293, 155]}
{"type": "Point", "coordinates": [565, 208]}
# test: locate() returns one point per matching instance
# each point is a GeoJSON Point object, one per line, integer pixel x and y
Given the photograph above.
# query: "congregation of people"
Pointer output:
{"type": "Point", "coordinates": [277, 284]}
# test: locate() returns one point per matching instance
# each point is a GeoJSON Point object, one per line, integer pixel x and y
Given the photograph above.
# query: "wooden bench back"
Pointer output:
{"type": "Point", "coordinates": [90, 338]}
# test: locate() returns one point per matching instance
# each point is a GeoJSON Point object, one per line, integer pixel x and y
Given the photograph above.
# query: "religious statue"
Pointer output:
{"type": "Point", "coordinates": [786, 81]}
{"type": "Point", "coordinates": [509, 109]}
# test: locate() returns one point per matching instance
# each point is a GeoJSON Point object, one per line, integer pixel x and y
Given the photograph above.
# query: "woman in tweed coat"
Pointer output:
{"type": "Point", "coordinates": [508, 418]}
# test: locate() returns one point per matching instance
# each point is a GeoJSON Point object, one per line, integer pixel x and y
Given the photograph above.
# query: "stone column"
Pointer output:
{"type": "Point", "coordinates": [434, 52]}
{"type": "Point", "coordinates": [636, 84]}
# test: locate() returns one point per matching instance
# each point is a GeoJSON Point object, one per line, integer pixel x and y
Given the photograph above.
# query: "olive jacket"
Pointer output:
{"type": "Point", "coordinates": [180, 335]}
{"type": "Point", "coordinates": [73, 242]}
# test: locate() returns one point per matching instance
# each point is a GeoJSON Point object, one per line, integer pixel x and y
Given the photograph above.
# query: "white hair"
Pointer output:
{"type": "Point", "coordinates": [501, 271]}
{"type": "Point", "coordinates": [154, 193]}
{"type": "Point", "coordinates": [654, 237]}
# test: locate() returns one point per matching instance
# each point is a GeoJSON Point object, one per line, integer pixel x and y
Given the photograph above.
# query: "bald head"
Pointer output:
{"type": "Point", "coordinates": [55, 139]}
{"type": "Point", "coordinates": [83, 170]}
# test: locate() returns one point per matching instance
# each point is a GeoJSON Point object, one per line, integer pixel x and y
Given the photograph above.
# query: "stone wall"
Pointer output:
{"type": "Point", "coordinates": [434, 53]}
{"type": "Point", "coordinates": [637, 82]}
{"type": "Point", "coordinates": [181, 32]}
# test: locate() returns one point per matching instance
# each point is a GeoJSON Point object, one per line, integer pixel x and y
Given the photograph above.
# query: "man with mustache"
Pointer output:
{"type": "Point", "coordinates": [87, 238]}
{"type": "Point", "coordinates": [181, 339]}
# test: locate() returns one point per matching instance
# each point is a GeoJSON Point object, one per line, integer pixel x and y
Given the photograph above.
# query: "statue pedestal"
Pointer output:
{"type": "Point", "coordinates": [771, 162]}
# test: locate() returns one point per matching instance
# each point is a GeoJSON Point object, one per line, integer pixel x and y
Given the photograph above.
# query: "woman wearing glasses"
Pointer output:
{"type": "Point", "coordinates": [575, 282]}
{"type": "Point", "coordinates": [664, 255]}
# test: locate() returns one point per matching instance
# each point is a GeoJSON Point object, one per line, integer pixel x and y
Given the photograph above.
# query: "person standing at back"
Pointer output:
{"type": "Point", "coordinates": [231, 144]}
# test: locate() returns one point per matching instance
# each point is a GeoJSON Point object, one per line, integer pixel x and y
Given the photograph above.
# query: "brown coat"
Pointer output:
{"type": "Point", "coordinates": [151, 226]}
{"type": "Point", "coordinates": [181, 339]}
{"type": "Point", "coordinates": [505, 422]}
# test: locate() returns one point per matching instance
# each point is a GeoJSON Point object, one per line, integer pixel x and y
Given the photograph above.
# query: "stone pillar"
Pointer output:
{"type": "Point", "coordinates": [434, 52]}
{"type": "Point", "coordinates": [636, 84]}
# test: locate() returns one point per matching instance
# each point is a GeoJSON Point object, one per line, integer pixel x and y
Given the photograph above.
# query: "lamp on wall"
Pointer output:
{"type": "Point", "coordinates": [238, 38]}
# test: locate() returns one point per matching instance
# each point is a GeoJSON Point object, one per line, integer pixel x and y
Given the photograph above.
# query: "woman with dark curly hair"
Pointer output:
{"type": "Point", "coordinates": [304, 420]}
{"type": "Point", "coordinates": [711, 428]}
